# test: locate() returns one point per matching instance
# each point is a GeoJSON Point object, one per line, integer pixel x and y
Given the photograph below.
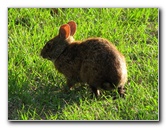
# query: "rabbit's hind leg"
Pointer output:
{"type": "Point", "coordinates": [95, 91]}
{"type": "Point", "coordinates": [121, 91]}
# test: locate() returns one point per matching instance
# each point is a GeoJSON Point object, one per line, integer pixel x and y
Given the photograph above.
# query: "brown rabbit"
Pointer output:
{"type": "Point", "coordinates": [94, 61]}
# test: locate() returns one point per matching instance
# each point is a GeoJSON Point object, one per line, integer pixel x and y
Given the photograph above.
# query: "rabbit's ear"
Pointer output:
{"type": "Point", "coordinates": [73, 27]}
{"type": "Point", "coordinates": [64, 31]}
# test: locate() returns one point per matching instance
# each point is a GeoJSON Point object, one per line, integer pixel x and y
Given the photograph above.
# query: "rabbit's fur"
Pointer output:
{"type": "Point", "coordinates": [94, 61]}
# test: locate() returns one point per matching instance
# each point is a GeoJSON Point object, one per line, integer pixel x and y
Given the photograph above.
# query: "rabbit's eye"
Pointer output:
{"type": "Point", "coordinates": [48, 45]}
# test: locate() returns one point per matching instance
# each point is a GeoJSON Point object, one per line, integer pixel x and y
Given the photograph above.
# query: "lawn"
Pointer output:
{"type": "Point", "coordinates": [36, 91]}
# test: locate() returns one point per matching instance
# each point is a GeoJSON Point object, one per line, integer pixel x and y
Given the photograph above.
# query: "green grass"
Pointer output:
{"type": "Point", "coordinates": [36, 91]}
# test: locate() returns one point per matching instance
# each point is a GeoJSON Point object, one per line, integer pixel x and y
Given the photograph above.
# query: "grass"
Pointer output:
{"type": "Point", "coordinates": [36, 91]}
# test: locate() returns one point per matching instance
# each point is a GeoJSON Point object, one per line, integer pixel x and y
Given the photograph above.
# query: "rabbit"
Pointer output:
{"type": "Point", "coordinates": [94, 61]}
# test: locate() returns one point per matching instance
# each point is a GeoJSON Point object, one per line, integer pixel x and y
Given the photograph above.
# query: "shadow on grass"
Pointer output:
{"type": "Point", "coordinates": [53, 100]}
{"type": "Point", "coordinates": [41, 101]}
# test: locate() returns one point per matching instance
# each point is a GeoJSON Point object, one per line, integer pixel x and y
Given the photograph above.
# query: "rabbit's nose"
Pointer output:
{"type": "Point", "coordinates": [41, 52]}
